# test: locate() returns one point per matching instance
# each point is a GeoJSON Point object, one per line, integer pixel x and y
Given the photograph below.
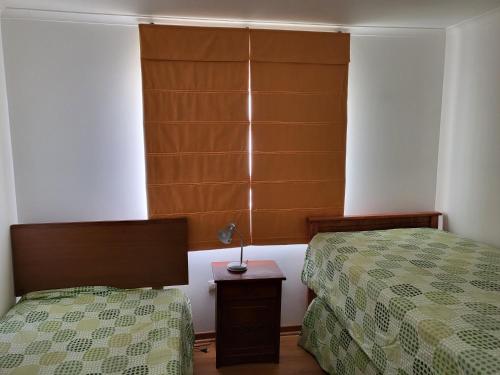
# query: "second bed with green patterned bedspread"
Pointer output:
{"type": "Point", "coordinates": [416, 301]}
{"type": "Point", "coordinates": [325, 337]}
{"type": "Point", "coordinates": [99, 330]}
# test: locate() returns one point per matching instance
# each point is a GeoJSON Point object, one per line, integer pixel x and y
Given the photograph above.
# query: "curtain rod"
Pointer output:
{"type": "Point", "coordinates": [13, 13]}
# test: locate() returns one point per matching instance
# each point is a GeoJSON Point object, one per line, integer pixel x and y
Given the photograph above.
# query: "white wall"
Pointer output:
{"type": "Point", "coordinates": [394, 102]}
{"type": "Point", "coordinates": [75, 101]}
{"type": "Point", "coordinates": [468, 189]}
{"type": "Point", "coordinates": [8, 214]}
{"type": "Point", "coordinates": [74, 96]}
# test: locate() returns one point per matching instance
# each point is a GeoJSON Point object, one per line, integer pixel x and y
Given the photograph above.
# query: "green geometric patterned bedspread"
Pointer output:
{"type": "Point", "coordinates": [417, 301]}
{"type": "Point", "coordinates": [323, 336]}
{"type": "Point", "coordinates": [98, 330]}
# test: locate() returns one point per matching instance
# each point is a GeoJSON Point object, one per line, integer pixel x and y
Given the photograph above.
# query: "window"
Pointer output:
{"type": "Point", "coordinates": [246, 126]}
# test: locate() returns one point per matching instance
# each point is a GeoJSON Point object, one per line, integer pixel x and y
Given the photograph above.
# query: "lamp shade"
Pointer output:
{"type": "Point", "coordinates": [226, 235]}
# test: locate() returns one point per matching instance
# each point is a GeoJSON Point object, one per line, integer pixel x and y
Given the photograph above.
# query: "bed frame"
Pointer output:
{"type": "Point", "coordinates": [369, 222]}
{"type": "Point", "coordinates": [123, 254]}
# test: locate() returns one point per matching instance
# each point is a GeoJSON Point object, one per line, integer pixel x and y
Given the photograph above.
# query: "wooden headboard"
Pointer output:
{"type": "Point", "coordinates": [372, 222]}
{"type": "Point", "coordinates": [369, 222]}
{"type": "Point", "coordinates": [123, 254]}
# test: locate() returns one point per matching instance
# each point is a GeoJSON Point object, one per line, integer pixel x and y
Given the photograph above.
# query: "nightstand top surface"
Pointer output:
{"type": "Point", "coordinates": [257, 269]}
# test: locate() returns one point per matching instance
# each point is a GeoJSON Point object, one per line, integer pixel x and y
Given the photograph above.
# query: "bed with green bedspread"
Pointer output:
{"type": "Point", "coordinates": [336, 351]}
{"type": "Point", "coordinates": [98, 330]}
{"type": "Point", "coordinates": [416, 301]}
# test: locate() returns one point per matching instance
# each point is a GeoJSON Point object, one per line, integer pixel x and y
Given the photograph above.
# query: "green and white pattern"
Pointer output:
{"type": "Point", "coordinates": [417, 301]}
{"type": "Point", "coordinates": [98, 330]}
{"type": "Point", "coordinates": [336, 351]}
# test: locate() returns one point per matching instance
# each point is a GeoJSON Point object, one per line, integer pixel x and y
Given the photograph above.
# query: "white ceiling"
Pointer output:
{"type": "Point", "coordinates": [385, 13]}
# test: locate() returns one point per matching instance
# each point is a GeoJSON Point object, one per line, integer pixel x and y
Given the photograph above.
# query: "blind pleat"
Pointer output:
{"type": "Point", "coordinates": [191, 137]}
{"type": "Point", "coordinates": [191, 198]}
{"type": "Point", "coordinates": [195, 97]}
{"type": "Point", "coordinates": [295, 166]}
{"type": "Point", "coordinates": [299, 47]}
{"type": "Point", "coordinates": [306, 77]}
{"type": "Point", "coordinates": [194, 106]}
{"type": "Point", "coordinates": [279, 227]}
{"type": "Point", "coordinates": [296, 107]}
{"type": "Point", "coordinates": [193, 43]}
{"type": "Point", "coordinates": [299, 98]}
{"type": "Point", "coordinates": [299, 136]}
{"type": "Point", "coordinates": [194, 75]}
{"type": "Point", "coordinates": [197, 168]}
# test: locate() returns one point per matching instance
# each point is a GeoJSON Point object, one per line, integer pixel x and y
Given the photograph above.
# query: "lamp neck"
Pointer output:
{"type": "Point", "coordinates": [242, 244]}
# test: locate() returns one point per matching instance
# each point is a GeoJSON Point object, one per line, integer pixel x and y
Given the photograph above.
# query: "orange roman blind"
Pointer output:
{"type": "Point", "coordinates": [299, 99]}
{"type": "Point", "coordinates": [195, 94]}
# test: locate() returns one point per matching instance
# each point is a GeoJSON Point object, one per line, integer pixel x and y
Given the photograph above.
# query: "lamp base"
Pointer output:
{"type": "Point", "coordinates": [237, 267]}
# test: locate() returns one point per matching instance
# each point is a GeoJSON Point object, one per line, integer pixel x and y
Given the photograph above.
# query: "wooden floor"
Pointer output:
{"type": "Point", "coordinates": [293, 360]}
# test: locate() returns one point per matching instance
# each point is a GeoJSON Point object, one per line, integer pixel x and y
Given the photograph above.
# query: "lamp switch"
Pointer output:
{"type": "Point", "coordinates": [211, 286]}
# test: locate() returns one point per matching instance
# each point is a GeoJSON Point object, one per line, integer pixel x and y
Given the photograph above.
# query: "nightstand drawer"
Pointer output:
{"type": "Point", "coordinates": [243, 338]}
{"type": "Point", "coordinates": [253, 314]}
{"type": "Point", "coordinates": [248, 325]}
{"type": "Point", "coordinates": [250, 290]}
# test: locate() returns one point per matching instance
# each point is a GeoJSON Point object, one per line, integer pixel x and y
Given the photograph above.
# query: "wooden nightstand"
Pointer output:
{"type": "Point", "coordinates": [248, 313]}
